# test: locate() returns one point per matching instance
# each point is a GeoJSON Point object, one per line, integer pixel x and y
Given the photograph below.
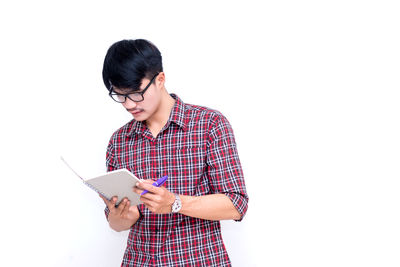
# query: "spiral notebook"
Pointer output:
{"type": "Point", "coordinates": [115, 183]}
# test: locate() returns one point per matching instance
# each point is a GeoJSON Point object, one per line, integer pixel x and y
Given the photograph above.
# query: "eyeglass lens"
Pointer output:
{"type": "Point", "coordinates": [122, 98]}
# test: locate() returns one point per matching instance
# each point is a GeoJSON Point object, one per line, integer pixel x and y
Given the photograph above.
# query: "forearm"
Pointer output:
{"type": "Point", "coordinates": [209, 207]}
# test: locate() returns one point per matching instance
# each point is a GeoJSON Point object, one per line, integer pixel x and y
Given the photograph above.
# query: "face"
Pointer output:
{"type": "Point", "coordinates": [144, 110]}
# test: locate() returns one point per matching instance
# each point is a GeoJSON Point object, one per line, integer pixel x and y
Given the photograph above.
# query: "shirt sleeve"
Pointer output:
{"type": "Point", "coordinates": [110, 164]}
{"type": "Point", "coordinates": [224, 168]}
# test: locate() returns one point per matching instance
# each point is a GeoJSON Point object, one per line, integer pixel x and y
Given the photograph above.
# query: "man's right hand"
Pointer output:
{"type": "Point", "coordinates": [123, 216]}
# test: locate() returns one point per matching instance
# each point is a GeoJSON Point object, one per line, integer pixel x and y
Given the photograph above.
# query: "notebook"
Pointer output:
{"type": "Point", "coordinates": [115, 183]}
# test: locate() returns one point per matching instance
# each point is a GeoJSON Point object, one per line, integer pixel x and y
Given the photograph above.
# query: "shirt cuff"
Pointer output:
{"type": "Point", "coordinates": [106, 211]}
{"type": "Point", "coordinates": [240, 202]}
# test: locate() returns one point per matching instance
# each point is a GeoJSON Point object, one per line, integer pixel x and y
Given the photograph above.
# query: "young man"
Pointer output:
{"type": "Point", "coordinates": [178, 223]}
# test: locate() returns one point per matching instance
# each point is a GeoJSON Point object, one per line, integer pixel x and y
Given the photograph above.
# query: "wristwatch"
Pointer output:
{"type": "Point", "coordinates": [177, 205]}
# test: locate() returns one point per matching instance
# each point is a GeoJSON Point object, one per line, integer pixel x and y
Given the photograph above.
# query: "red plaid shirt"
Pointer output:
{"type": "Point", "coordinates": [197, 150]}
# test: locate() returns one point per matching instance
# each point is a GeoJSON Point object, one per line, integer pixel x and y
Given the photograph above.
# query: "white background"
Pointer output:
{"type": "Point", "coordinates": [311, 89]}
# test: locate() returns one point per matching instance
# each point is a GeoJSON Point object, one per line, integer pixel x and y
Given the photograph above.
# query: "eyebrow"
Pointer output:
{"type": "Point", "coordinates": [125, 91]}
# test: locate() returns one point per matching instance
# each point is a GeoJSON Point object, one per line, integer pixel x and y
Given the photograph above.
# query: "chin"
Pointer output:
{"type": "Point", "coordinates": [139, 117]}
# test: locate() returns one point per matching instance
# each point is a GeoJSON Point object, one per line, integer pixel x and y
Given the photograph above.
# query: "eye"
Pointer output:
{"type": "Point", "coordinates": [118, 97]}
{"type": "Point", "coordinates": [136, 96]}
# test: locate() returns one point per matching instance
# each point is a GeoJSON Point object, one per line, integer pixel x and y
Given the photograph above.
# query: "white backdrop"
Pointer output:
{"type": "Point", "coordinates": [311, 89]}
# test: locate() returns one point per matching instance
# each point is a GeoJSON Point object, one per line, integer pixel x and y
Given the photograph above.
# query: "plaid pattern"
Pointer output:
{"type": "Point", "coordinates": [197, 150]}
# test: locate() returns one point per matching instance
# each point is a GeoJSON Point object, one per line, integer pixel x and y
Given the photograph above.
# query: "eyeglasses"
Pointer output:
{"type": "Point", "coordinates": [135, 96]}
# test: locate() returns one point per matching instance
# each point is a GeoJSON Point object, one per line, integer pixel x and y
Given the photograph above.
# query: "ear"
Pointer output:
{"type": "Point", "coordinates": [160, 80]}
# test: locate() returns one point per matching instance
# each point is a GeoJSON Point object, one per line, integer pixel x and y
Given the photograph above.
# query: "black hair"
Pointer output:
{"type": "Point", "coordinates": [127, 62]}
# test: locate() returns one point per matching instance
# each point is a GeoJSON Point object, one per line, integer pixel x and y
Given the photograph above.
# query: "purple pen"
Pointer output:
{"type": "Point", "coordinates": [157, 183]}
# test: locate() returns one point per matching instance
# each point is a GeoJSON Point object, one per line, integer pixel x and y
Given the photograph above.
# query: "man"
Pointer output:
{"type": "Point", "coordinates": [178, 223]}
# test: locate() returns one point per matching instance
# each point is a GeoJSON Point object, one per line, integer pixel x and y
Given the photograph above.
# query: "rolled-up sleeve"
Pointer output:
{"type": "Point", "coordinates": [224, 169]}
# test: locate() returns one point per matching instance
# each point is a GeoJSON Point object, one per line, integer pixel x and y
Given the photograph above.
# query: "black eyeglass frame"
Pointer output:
{"type": "Point", "coordinates": [141, 93]}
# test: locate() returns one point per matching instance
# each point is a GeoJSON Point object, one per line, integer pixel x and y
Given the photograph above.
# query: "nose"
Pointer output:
{"type": "Point", "coordinates": [129, 104]}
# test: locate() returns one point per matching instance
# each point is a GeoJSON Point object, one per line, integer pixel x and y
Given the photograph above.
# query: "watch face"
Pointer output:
{"type": "Point", "coordinates": [177, 205]}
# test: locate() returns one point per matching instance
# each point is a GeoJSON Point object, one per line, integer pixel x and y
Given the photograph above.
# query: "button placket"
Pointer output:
{"type": "Point", "coordinates": [157, 168]}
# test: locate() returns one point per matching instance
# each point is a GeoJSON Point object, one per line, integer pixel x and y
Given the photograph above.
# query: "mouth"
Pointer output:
{"type": "Point", "coordinates": [135, 111]}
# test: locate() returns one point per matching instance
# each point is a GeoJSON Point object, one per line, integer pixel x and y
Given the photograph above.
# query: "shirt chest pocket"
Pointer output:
{"type": "Point", "coordinates": [185, 168]}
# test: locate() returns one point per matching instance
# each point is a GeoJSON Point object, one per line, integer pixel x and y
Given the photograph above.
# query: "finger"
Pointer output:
{"type": "Point", "coordinates": [136, 189]}
{"type": "Point", "coordinates": [111, 203]}
{"type": "Point", "coordinates": [126, 208]}
{"type": "Point", "coordinates": [121, 206]}
{"type": "Point", "coordinates": [148, 203]}
{"type": "Point", "coordinates": [149, 187]}
{"type": "Point", "coordinates": [149, 182]}
{"type": "Point", "coordinates": [140, 188]}
{"type": "Point", "coordinates": [150, 196]}
{"type": "Point", "coordinates": [106, 201]}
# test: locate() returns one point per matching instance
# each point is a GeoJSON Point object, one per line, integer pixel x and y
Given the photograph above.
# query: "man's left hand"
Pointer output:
{"type": "Point", "coordinates": [158, 199]}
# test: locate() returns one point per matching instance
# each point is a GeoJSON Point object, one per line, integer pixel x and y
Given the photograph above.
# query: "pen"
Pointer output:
{"type": "Point", "coordinates": [157, 183]}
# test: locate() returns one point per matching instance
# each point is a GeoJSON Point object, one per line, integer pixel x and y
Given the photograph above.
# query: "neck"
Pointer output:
{"type": "Point", "coordinates": [161, 116]}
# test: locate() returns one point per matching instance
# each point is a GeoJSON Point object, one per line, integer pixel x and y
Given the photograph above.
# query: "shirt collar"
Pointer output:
{"type": "Point", "coordinates": [177, 116]}
{"type": "Point", "coordinates": [178, 113]}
